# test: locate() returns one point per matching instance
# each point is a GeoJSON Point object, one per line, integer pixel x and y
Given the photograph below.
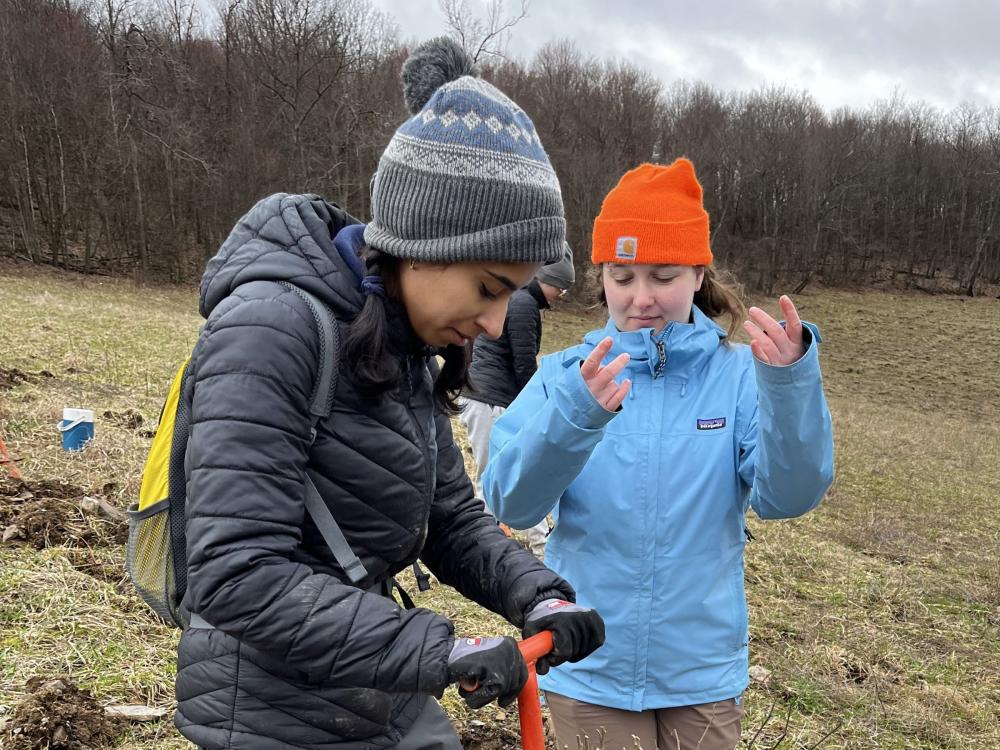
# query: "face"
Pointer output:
{"type": "Point", "coordinates": [455, 302]}
{"type": "Point", "coordinates": [647, 296]}
{"type": "Point", "coordinates": [552, 293]}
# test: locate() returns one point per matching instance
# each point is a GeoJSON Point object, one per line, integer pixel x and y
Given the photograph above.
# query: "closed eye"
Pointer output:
{"type": "Point", "coordinates": [488, 293]}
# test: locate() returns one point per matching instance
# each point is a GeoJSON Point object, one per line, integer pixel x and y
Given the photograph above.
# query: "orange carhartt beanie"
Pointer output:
{"type": "Point", "coordinates": [654, 215]}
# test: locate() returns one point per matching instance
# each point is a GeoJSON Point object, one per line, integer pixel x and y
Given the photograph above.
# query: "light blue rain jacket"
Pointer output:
{"type": "Point", "coordinates": [650, 501]}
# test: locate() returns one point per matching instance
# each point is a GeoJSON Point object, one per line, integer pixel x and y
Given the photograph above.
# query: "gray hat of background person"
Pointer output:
{"type": "Point", "coordinates": [560, 274]}
{"type": "Point", "coordinates": [466, 177]}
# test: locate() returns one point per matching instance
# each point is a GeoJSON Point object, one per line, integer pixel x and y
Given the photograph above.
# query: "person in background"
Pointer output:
{"type": "Point", "coordinates": [501, 367]}
{"type": "Point", "coordinates": [651, 440]}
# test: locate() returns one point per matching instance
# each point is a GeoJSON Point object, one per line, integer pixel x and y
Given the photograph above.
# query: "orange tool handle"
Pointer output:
{"type": "Point", "coordinates": [528, 708]}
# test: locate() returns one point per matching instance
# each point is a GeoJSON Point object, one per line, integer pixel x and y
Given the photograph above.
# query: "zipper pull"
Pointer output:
{"type": "Point", "coordinates": [661, 362]}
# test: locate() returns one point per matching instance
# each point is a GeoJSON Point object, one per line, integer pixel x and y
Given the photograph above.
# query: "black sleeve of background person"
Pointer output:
{"type": "Point", "coordinates": [523, 327]}
{"type": "Point", "coordinates": [248, 453]}
{"type": "Point", "coordinates": [467, 550]}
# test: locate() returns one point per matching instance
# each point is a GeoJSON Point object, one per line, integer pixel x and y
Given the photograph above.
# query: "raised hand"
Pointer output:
{"type": "Point", "coordinates": [771, 343]}
{"type": "Point", "coordinates": [601, 379]}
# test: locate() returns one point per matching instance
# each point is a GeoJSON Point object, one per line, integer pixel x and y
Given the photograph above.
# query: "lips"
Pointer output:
{"type": "Point", "coordinates": [458, 338]}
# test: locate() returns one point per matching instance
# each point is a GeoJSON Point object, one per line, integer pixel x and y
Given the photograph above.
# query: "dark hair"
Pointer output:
{"type": "Point", "coordinates": [720, 294]}
{"type": "Point", "coordinates": [376, 364]}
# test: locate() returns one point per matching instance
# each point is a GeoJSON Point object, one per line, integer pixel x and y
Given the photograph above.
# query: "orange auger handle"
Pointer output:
{"type": "Point", "coordinates": [528, 708]}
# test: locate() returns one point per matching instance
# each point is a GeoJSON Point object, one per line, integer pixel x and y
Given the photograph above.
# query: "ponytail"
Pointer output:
{"type": "Point", "coordinates": [720, 295]}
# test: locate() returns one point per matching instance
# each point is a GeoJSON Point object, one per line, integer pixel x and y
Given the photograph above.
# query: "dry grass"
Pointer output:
{"type": "Point", "coordinates": [877, 617]}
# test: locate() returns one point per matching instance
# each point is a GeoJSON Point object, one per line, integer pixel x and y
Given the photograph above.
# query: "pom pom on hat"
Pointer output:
{"type": "Point", "coordinates": [434, 63]}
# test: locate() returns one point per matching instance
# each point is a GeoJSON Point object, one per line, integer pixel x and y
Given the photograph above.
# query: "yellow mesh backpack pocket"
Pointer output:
{"type": "Point", "coordinates": [152, 543]}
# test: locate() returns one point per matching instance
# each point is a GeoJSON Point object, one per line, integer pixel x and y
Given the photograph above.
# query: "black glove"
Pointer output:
{"type": "Point", "coordinates": [487, 668]}
{"type": "Point", "coordinates": [576, 631]}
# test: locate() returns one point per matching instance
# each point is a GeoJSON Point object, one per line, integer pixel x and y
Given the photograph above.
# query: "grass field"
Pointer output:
{"type": "Point", "coordinates": [875, 620]}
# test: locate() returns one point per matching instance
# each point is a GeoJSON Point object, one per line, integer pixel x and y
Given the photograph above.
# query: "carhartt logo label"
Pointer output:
{"type": "Point", "coordinates": [626, 248]}
{"type": "Point", "coordinates": [712, 424]}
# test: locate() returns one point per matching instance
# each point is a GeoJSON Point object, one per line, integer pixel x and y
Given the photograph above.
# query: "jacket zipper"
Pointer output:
{"type": "Point", "coordinates": [661, 361]}
{"type": "Point", "coordinates": [425, 448]}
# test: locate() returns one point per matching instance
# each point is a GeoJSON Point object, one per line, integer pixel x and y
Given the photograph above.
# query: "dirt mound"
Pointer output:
{"type": "Point", "coordinates": [11, 378]}
{"type": "Point", "coordinates": [479, 736]}
{"type": "Point", "coordinates": [45, 514]}
{"type": "Point", "coordinates": [58, 715]}
{"type": "Point", "coordinates": [129, 419]}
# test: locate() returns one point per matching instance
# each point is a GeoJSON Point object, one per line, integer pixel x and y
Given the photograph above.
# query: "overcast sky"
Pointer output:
{"type": "Point", "coordinates": [845, 52]}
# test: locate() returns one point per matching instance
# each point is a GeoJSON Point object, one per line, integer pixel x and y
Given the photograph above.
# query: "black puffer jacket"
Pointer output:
{"type": "Point", "coordinates": [501, 367]}
{"type": "Point", "coordinates": [299, 659]}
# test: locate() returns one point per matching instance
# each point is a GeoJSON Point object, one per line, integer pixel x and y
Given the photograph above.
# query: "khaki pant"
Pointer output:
{"type": "Point", "coordinates": [478, 419]}
{"type": "Point", "coordinates": [709, 726]}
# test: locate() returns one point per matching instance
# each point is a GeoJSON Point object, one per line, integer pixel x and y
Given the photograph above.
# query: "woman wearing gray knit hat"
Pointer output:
{"type": "Point", "coordinates": [300, 509]}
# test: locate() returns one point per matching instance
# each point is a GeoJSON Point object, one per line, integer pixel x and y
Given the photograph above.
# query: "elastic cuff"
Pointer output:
{"type": "Point", "coordinates": [547, 594]}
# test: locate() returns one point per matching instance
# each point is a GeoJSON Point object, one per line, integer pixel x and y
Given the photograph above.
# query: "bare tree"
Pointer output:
{"type": "Point", "coordinates": [486, 35]}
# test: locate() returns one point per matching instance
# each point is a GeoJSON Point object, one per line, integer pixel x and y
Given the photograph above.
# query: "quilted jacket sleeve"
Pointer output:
{"type": "Point", "coordinates": [466, 549]}
{"type": "Point", "coordinates": [247, 456]}
{"type": "Point", "coordinates": [523, 328]}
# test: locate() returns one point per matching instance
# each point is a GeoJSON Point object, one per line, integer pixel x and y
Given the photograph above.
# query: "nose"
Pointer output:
{"type": "Point", "coordinates": [491, 320]}
{"type": "Point", "coordinates": [643, 295]}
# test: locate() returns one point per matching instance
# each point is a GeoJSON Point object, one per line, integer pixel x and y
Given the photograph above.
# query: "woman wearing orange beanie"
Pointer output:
{"type": "Point", "coordinates": [648, 442]}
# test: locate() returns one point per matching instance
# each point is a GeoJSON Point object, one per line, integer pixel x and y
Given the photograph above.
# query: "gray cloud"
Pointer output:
{"type": "Point", "coordinates": [844, 52]}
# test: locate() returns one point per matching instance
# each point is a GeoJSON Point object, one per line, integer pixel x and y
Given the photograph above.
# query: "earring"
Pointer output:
{"type": "Point", "coordinates": [412, 267]}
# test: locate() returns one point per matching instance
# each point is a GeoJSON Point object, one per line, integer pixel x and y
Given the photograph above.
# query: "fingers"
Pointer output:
{"type": "Point", "coordinates": [606, 375]}
{"type": "Point", "coordinates": [758, 352]}
{"type": "Point", "coordinates": [592, 363]}
{"type": "Point", "coordinates": [616, 399]}
{"type": "Point", "coordinates": [600, 379]}
{"type": "Point", "coordinates": [779, 346]}
{"type": "Point", "coordinates": [793, 323]}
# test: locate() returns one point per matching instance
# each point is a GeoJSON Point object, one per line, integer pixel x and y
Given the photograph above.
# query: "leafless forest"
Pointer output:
{"type": "Point", "coordinates": [134, 133]}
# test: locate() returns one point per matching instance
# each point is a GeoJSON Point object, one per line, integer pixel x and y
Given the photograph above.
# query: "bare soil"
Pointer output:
{"type": "Point", "coordinates": [48, 513]}
{"type": "Point", "coordinates": [12, 377]}
{"type": "Point", "coordinates": [57, 715]}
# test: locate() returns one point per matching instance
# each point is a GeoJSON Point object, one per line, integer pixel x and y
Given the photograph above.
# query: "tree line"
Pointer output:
{"type": "Point", "coordinates": [133, 133]}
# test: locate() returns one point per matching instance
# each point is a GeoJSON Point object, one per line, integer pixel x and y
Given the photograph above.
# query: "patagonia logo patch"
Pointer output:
{"type": "Point", "coordinates": [712, 424]}
{"type": "Point", "coordinates": [626, 248]}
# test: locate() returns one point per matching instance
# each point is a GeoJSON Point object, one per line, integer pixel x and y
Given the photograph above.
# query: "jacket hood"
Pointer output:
{"type": "Point", "coordinates": [288, 238]}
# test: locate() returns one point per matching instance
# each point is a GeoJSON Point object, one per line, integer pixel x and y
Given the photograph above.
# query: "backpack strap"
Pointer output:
{"type": "Point", "coordinates": [319, 408]}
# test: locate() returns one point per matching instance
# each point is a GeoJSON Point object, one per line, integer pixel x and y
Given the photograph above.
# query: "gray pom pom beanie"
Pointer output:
{"type": "Point", "coordinates": [466, 177]}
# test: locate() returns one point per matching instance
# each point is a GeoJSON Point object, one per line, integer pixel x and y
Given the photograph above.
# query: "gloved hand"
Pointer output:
{"type": "Point", "coordinates": [576, 631]}
{"type": "Point", "coordinates": [487, 668]}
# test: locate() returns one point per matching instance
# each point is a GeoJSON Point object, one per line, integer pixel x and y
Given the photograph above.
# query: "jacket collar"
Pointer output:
{"type": "Point", "coordinates": [535, 290]}
{"type": "Point", "coordinates": [683, 344]}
